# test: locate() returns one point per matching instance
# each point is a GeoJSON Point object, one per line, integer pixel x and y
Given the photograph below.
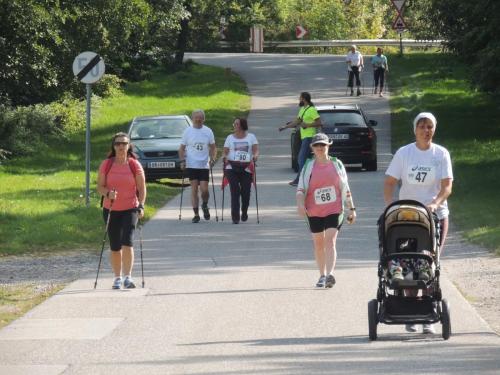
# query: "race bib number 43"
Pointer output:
{"type": "Point", "coordinates": [325, 195]}
{"type": "Point", "coordinates": [421, 175]}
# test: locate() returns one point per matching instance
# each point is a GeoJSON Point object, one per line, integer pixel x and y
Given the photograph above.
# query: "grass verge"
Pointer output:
{"type": "Point", "coordinates": [17, 299]}
{"type": "Point", "coordinates": [468, 126]}
{"type": "Point", "coordinates": [42, 204]}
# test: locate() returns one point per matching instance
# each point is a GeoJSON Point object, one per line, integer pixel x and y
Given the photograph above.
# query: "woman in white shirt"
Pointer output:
{"type": "Point", "coordinates": [425, 172]}
{"type": "Point", "coordinates": [240, 149]}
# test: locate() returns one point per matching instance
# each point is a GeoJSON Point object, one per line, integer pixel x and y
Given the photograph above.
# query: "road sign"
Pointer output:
{"type": "Point", "coordinates": [300, 32]}
{"type": "Point", "coordinates": [88, 67]}
{"type": "Point", "coordinates": [399, 5]}
{"type": "Point", "coordinates": [399, 24]}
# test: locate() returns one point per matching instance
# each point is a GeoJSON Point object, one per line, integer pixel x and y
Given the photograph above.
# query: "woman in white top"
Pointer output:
{"type": "Point", "coordinates": [425, 172]}
{"type": "Point", "coordinates": [240, 149]}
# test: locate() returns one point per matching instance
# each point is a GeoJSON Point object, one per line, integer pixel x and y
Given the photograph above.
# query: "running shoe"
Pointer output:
{"type": "Point", "coordinates": [321, 282]}
{"type": "Point", "coordinates": [244, 216]}
{"type": "Point", "coordinates": [128, 283]}
{"type": "Point", "coordinates": [293, 183]}
{"type": "Point", "coordinates": [330, 281]}
{"type": "Point", "coordinates": [412, 328]}
{"type": "Point", "coordinates": [196, 219]}
{"type": "Point", "coordinates": [429, 328]}
{"type": "Point", "coordinates": [206, 212]}
{"type": "Point", "coordinates": [359, 92]}
{"type": "Point", "coordinates": [117, 284]}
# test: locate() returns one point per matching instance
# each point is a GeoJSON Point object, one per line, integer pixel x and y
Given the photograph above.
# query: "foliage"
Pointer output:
{"type": "Point", "coordinates": [40, 39]}
{"type": "Point", "coordinates": [24, 130]}
{"type": "Point", "coordinates": [468, 126]}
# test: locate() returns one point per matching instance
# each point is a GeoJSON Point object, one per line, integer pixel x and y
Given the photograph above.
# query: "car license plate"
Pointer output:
{"type": "Point", "coordinates": [339, 136]}
{"type": "Point", "coordinates": [162, 164]}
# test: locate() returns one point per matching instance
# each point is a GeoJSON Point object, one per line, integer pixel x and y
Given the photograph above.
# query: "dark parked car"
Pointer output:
{"type": "Point", "coordinates": [354, 139]}
{"type": "Point", "coordinates": [156, 141]}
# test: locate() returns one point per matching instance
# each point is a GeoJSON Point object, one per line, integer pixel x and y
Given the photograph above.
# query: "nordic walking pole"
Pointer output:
{"type": "Point", "coordinates": [256, 196]}
{"type": "Point", "coordinates": [103, 242]}
{"type": "Point", "coordinates": [140, 246]}
{"type": "Point", "coordinates": [223, 188]}
{"type": "Point", "coordinates": [347, 86]}
{"type": "Point", "coordinates": [213, 190]}
{"type": "Point", "coordinates": [182, 191]}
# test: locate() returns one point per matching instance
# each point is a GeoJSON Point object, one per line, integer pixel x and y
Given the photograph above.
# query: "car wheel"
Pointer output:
{"type": "Point", "coordinates": [370, 165]}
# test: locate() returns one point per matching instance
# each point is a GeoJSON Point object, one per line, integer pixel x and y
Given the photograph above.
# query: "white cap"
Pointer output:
{"type": "Point", "coordinates": [422, 115]}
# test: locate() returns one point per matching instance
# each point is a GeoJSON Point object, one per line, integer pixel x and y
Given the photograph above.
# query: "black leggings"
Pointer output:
{"type": "Point", "coordinates": [379, 75]}
{"type": "Point", "coordinates": [354, 72]}
{"type": "Point", "coordinates": [121, 227]}
{"type": "Point", "coordinates": [240, 184]}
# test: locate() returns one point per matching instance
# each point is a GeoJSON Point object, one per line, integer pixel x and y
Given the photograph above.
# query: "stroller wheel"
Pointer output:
{"type": "Point", "coordinates": [372, 319]}
{"type": "Point", "coordinates": [445, 319]}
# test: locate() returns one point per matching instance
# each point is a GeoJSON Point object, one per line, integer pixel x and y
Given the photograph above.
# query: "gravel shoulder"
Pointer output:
{"type": "Point", "coordinates": [472, 269]}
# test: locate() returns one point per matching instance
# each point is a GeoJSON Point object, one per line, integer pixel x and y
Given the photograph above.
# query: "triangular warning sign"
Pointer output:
{"type": "Point", "coordinates": [399, 23]}
{"type": "Point", "coordinates": [399, 4]}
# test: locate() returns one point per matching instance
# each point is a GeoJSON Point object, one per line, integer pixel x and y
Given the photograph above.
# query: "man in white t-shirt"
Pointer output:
{"type": "Point", "coordinates": [425, 172]}
{"type": "Point", "coordinates": [355, 64]}
{"type": "Point", "coordinates": [197, 152]}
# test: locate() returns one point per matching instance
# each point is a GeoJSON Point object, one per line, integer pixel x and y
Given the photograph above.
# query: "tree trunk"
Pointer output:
{"type": "Point", "coordinates": [182, 37]}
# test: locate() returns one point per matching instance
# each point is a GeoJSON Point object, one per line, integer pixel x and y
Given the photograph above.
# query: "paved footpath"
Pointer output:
{"type": "Point", "coordinates": [239, 299]}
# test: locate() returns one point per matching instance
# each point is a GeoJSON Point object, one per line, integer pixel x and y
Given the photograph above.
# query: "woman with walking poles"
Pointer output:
{"type": "Point", "coordinates": [323, 196]}
{"type": "Point", "coordinates": [240, 149]}
{"type": "Point", "coordinates": [122, 185]}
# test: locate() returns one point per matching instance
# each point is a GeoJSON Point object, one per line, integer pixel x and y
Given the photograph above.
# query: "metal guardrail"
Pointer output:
{"type": "Point", "coordinates": [341, 43]}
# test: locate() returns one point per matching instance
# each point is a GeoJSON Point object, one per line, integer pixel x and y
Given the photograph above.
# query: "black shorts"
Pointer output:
{"type": "Point", "coordinates": [121, 227]}
{"type": "Point", "coordinates": [197, 174]}
{"type": "Point", "coordinates": [320, 224]}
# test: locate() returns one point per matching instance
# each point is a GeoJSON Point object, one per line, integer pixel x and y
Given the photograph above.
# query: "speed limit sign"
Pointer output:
{"type": "Point", "coordinates": [88, 67]}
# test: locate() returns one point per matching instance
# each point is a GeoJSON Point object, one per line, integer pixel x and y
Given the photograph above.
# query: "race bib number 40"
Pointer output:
{"type": "Point", "coordinates": [325, 195]}
{"type": "Point", "coordinates": [421, 175]}
{"type": "Point", "coordinates": [242, 156]}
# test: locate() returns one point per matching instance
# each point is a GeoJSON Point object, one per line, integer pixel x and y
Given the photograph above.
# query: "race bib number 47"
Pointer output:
{"type": "Point", "coordinates": [325, 195]}
{"type": "Point", "coordinates": [421, 175]}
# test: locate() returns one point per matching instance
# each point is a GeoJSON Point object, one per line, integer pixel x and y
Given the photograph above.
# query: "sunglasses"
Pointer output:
{"type": "Point", "coordinates": [120, 143]}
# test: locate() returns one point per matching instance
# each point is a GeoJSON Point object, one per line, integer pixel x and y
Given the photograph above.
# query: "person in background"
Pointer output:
{"type": "Point", "coordinates": [240, 149]}
{"type": "Point", "coordinates": [355, 65]}
{"type": "Point", "coordinates": [308, 119]}
{"type": "Point", "coordinates": [380, 67]}
{"type": "Point", "coordinates": [197, 153]}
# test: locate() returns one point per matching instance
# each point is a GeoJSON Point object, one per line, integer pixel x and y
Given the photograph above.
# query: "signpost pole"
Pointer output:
{"type": "Point", "coordinates": [401, 44]}
{"type": "Point", "coordinates": [87, 147]}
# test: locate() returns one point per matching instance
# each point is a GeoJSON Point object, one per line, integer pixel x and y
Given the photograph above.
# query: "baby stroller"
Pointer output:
{"type": "Point", "coordinates": [409, 263]}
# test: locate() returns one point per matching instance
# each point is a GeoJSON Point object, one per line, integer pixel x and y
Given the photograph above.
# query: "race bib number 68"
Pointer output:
{"type": "Point", "coordinates": [325, 195]}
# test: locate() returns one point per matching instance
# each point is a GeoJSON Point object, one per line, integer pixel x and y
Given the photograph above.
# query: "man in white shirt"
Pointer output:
{"type": "Point", "coordinates": [355, 64]}
{"type": "Point", "coordinates": [197, 152]}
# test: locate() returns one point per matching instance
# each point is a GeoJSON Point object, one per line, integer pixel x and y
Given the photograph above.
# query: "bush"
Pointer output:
{"type": "Point", "coordinates": [68, 115]}
{"type": "Point", "coordinates": [24, 130]}
{"type": "Point", "coordinates": [108, 85]}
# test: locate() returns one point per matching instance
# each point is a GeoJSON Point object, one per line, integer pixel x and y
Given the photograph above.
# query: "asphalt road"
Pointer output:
{"type": "Point", "coordinates": [240, 299]}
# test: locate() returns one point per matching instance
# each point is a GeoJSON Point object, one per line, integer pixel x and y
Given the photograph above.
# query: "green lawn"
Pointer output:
{"type": "Point", "coordinates": [468, 126]}
{"type": "Point", "coordinates": [42, 204]}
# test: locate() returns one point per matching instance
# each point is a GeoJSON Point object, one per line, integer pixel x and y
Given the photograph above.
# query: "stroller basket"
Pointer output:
{"type": "Point", "coordinates": [399, 310]}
